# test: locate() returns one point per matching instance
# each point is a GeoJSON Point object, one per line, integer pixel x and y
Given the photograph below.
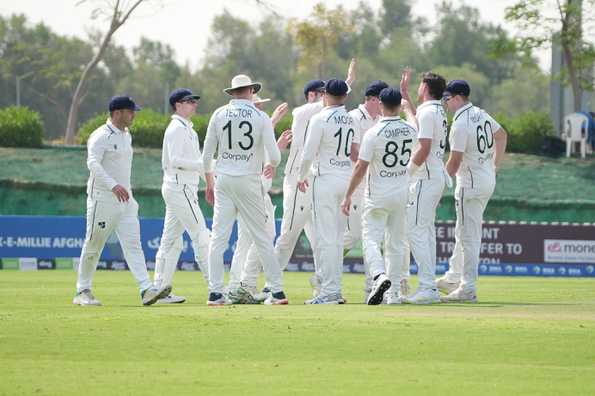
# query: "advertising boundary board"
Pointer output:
{"type": "Point", "coordinates": [508, 248]}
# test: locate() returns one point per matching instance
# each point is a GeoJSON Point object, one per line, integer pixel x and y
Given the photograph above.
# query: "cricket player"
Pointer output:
{"type": "Point", "coordinates": [326, 158]}
{"type": "Point", "coordinates": [242, 135]}
{"type": "Point", "coordinates": [297, 205]}
{"type": "Point", "coordinates": [384, 155]}
{"type": "Point", "coordinates": [182, 169]}
{"type": "Point", "coordinates": [477, 147]}
{"type": "Point", "coordinates": [111, 206]}
{"type": "Point", "coordinates": [366, 115]}
{"type": "Point", "coordinates": [246, 264]}
{"type": "Point", "coordinates": [428, 180]}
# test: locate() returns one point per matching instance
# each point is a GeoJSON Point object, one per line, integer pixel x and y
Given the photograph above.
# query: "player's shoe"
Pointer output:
{"type": "Point", "coordinates": [423, 296]}
{"type": "Point", "coordinates": [460, 296]}
{"type": "Point", "coordinates": [85, 297]}
{"type": "Point", "coordinates": [446, 286]}
{"type": "Point", "coordinates": [241, 295]}
{"type": "Point", "coordinates": [392, 298]}
{"type": "Point", "coordinates": [404, 288]}
{"type": "Point", "coordinates": [381, 285]}
{"type": "Point", "coordinates": [217, 299]}
{"type": "Point", "coordinates": [171, 299]}
{"type": "Point", "coordinates": [151, 295]}
{"type": "Point", "coordinates": [335, 298]}
{"type": "Point", "coordinates": [316, 284]}
{"type": "Point", "coordinates": [277, 298]}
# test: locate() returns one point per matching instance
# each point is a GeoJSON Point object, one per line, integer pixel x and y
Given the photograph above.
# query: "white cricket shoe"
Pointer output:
{"type": "Point", "coordinates": [446, 286]}
{"type": "Point", "coordinates": [381, 285]}
{"type": "Point", "coordinates": [171, 299]}
{"type": "Point", "coordinates": [151, 295]}
{"type": "Point", "coordinates": [393, 298]}
{"type": "Point", "coordinates": [423, 296]}
{"type": "Point", "coordinates": [334, 298]}
{"type": "Point", "coordinates": [218, 299]}
{"type": "Point", "coordinates": [404, 288]}
{"type": "Point", "coordinates": [460, 296]}
{"type": "Point", "coordinates": [316, 284]}
{"type": "Point", "coordinates": [85, 297]}
{"type": "Point", "coordinates": [277, 298]}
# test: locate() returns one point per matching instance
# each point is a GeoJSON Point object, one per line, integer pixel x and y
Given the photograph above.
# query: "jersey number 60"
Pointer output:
{"type": "Point", "coordinates": [485, 137]}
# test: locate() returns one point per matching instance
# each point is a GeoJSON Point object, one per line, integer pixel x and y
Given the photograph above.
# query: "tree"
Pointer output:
{"type": "Point", "coordinates": [545, 23]}
{"type": "Point", "coordinates": [118, 13]}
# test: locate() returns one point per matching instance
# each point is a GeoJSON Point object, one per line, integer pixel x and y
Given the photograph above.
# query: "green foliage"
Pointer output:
{"type": "Point", "coordinates": [20, 127]}
{"type": "Point", "coordinates": [89, 126]}
{"type": "Point", "coordinates": [528, 131]}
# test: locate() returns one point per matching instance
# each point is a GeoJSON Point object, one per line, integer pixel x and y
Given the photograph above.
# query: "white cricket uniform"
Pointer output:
{"type": "Point", "coordinates": [297, 206]}
{"type": "Point", "coordinates": [426, 188]}
{"type": "Point", "coordinates": [326, 156]}
{"type": "Point", "coordinates": [109, 159]}
{"type": "Point", "coordinates": [387, 147]}
{"type": "Point", "coordinates": [353, 234]}
{"type": "Point", "coordinates": [240, 133]}
{"type": "Point", "coordinates": [472, 133]}
{"type": "Point", "coordinates": [182, 169]}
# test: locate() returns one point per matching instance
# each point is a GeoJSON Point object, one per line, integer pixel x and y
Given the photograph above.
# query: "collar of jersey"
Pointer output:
{"type": "Point", "coordinates": [428, 103]}
{"type": "Point", "coordinates": [184, 121]}
{"type": "Point", "coordinates": [459, 111]}
{"type": "Point", "coordinates": [362, 108]}
{"type": "Point", "coordinates": [112, 127]}
{"type": "Point", "coordinates": [393, 118]}
{"type": "Point", "coordinates": [334, 107]}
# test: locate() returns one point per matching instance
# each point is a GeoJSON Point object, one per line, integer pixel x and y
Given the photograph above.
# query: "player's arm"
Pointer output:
{"type": "Point", "coordinates": [457, 148]}
{"type": "Point", "coordinates": [279, 113]}
{"type": "Point", "coordinates": [361, 167]}
{"type": "Point", "coordinates": [404, 88]}
{"type": "Point", "coordinates": [96, 147]}
{"type": "Point", "coordinates": [351, 72]}
{"type": "Point", "coordinates": [270, 144]}
{"type": "Point", "coordinates": [501, 138]}
{"type": "Point", "coordinates": [175, 149]}
{"type": "Point", "coordinates": [311, 147]}
{"type": "Point", "coordinates": [354, 152]}
{"type": "Point", "coordinates": [424, 139]}
{"type": "Point", "coordinates": [207, 159]}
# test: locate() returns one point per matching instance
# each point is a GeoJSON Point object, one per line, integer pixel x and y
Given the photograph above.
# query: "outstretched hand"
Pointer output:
{"type": "Point", "coordinates": [351, 72]}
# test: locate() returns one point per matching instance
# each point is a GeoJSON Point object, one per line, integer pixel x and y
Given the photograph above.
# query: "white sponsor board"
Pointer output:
{"type": "Point", "coordinates": [568, 251]}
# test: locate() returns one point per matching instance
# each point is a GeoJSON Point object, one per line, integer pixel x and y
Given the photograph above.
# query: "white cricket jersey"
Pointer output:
{"type": "Point", "coordinates": [109, 158]}
{"type": "Point", "coordinates": [181, 158]}
{"type": "Point", "coordinates": [388, 148]}
{"type": "Point", "coordinates": [472, 133]}
{"type": "Point", "coordinates": [328, 143]}
{"type": "Point", "coordinates": [299, 125]}
{"type": "Point", "coordinates": [364, 121]}
{"type": "Point", "coordinates": [431, 119]}
{"type": "Point", "coordinates": [240, 134]}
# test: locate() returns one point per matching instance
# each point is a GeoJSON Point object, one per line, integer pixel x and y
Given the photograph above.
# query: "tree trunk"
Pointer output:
{"type": "Point", "coordinates": [571, 38]}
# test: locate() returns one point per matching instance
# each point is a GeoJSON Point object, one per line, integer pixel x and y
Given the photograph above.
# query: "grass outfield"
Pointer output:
{"type": "Point", "coordinates": [527, 336]}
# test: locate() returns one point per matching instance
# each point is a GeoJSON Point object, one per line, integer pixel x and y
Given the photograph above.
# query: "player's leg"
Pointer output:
{"type": "Point", "coordinates": [374, 225]}
{"type": "Point", "coordinates": [191, 217]}
{"type": "Point", "coordinates": [240, 255]}
{"type": "Point", "coordinates": [171, 244]}
{"type": "Point", "coordinates": [224, 215]}
{"type": "Point", "coordinates": [253, 265]}
{"type": "Point", "coordinates": [249, 197]}
{"type": "Point", "coordinates": [395, 247]}
{"type": "Point", "coordinates": [101, 217]}
{"type": "Point", "coordinates": [451, 279]}
{"type": "Point", "coordinates": [353, 235]}
{"type": "Point", "coordinates": [422, 238]}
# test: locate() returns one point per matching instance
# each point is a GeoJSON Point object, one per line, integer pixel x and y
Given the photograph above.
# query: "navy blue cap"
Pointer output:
{"type": "Point", "coordinates": [314, 85]}
{"type": "Point", "coordinates": [390, 96]}
{"type": "Point", "coordinates": [457, 87]}
{"type": "Point", "coordinates": [122, 103]}
{"type": "Point", "coordinates": [336, 87]}
{"type": "Point", "coordinates": [375, 87]}
{"type": "Point", "coordinates": [181, 94]}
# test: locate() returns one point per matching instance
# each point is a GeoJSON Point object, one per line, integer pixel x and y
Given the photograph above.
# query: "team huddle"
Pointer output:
{"type": "Point", "coordinates": [366, 176]}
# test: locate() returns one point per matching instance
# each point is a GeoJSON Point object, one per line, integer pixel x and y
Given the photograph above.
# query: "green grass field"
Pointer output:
{"type": "Point", "coordinates": [527, 336]}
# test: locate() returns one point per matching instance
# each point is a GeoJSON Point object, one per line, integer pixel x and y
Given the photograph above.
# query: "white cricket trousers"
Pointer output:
{"type": "Point", "coordinates": [297, 216]}
{"type": "Point", "coordinates": [470, 204]}
{"type": "Point", "coordinates": [386, 222]}
{"type": "Point", "coordinates": [182, 213]}
{"type": "Point", "coordinates": [329, 229]}
{"type": "Point", "coordinates": [421, 216]}
{"type": "Point", "coordinates": [241, 196]}
{"type": "Point", "coordinates": [246, 263]}
{"type": "Point", "coordinates": [105, 214]}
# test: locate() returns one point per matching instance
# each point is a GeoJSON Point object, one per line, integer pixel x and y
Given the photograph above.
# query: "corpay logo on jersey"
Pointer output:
{"type": "Point", "coordinates": [568, 251]}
